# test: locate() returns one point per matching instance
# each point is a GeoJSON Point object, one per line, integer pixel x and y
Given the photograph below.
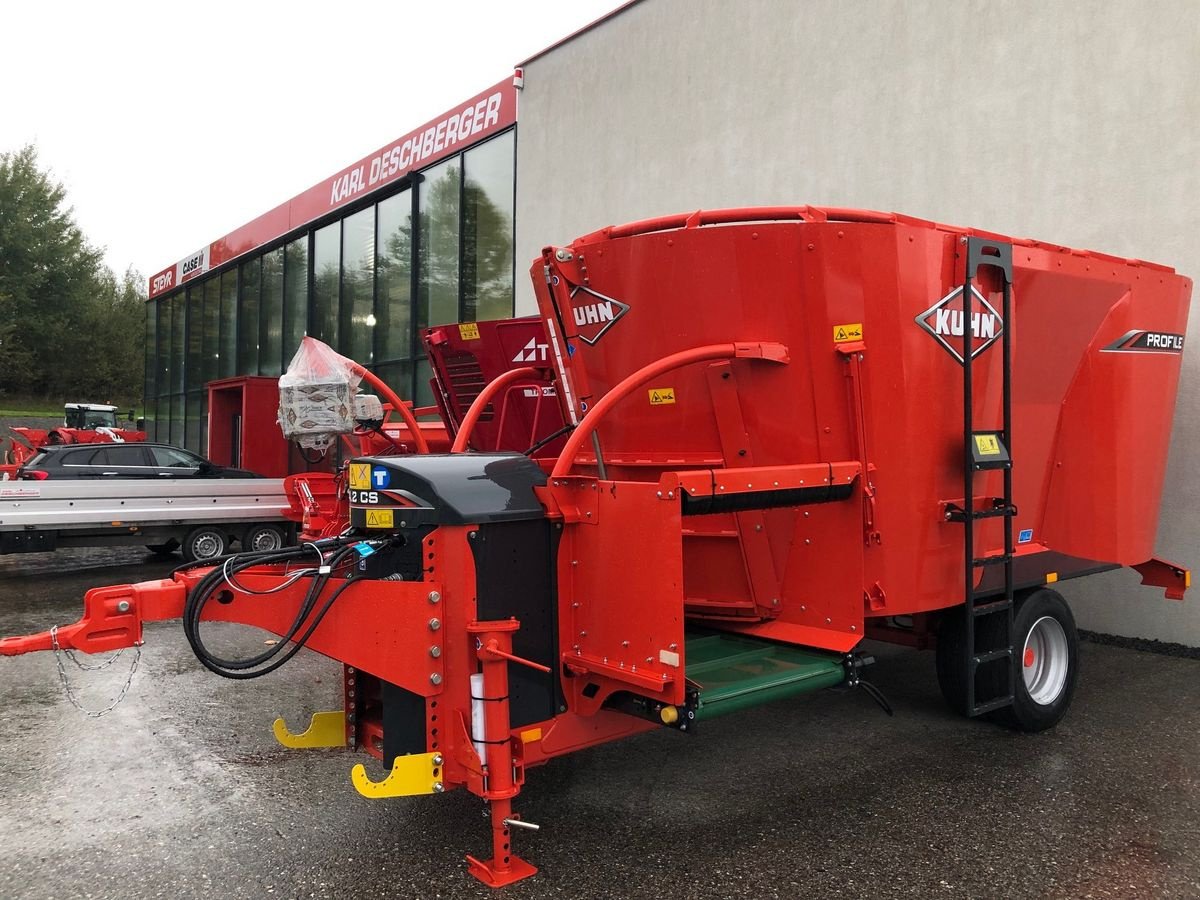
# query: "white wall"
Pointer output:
{"type": "Point", "coordinates": [1073, 123]}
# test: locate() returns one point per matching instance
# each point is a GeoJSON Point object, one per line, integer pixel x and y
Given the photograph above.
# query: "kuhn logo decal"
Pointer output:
{"type": "Point", "coordinates": [1141, 341]}
{"type": "Point", "coordinates": [593, 314]}
{"type": "Point", "coordinates": [947, 318]}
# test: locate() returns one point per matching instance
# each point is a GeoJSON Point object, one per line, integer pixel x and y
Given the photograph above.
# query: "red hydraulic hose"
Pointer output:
{"type": "Point", "coordinates": [398, 405]}
{"type": "Point", "coordinates": [481, 402]}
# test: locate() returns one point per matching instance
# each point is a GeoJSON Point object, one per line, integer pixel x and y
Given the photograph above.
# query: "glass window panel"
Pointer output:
{"type": "Point", "coordinates": [327, 255]}
{"type": "Point", "coordinates": [396, 375]}
{"type": "Point", "coordinates": [163, 314]}
{"type": "Point", "coordinates": [248, 284]}
{"type": "Point", "coordinates": [150, 415]}
{"type": "Point", "coordinates": [423, 395]}
{"type": "Point", "coordinates": [295, 297]}
{"type": "Point", "coordinates": [487, 236]}
{"type": "Point", "coordinates": [393, 302]}
{"type": "Point", "coordinates": [170, 457]}
{"type": "Point", "coordinates": [150, 376]}
{"type": "Point", "coordinates": [358, 286]}
{"type": "Point", "coordinates": [228, 361]}
{"type": "Point", "coordinates": [194, 376]}
{"type": "Point", "coordinates": [203, 448]}
{"type": "Point", "coordinates": [177, 420]}
{"type": "Point", "coordinates": [270, 339]}
{"type": "Point", "coordinates": [177, 330]}
{"type": "Point", "coordinates": [192, 428]}
{"type": "Point", "coordinates": [212, 329]}
{"type": "Point", "coordinates": [437, 290]}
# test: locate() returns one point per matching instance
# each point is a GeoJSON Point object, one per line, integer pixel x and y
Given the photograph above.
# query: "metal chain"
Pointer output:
{"type": "Point", "coordinates": [85, 667]}
{"type": "Point", "coordinates": [60, 652]}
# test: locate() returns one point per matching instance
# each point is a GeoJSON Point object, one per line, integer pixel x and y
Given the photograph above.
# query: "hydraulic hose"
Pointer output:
{"type": "Point", "coordinates": [224, 572]}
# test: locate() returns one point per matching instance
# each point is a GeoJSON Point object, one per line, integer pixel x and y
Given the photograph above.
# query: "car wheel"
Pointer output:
{"type": "Point", "coordinates": [263, 538]}
{"type": "Point", "coordinates": [204, 543]}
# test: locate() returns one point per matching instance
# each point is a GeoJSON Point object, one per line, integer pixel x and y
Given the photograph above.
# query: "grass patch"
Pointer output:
{"type": "Point", "coordinates": [15, 412]}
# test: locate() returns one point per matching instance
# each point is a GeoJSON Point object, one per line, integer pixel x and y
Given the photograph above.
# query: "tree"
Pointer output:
{"type": "Point", "coordinates": [69, 328]}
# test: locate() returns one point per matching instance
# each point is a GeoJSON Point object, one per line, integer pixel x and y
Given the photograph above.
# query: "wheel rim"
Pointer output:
{"type": "Point", "coordinates": [1045, 660]}
{"type": "Point", "coordinates": [206, 546]}
{"type": "Point", "coordinates": [267, 539]}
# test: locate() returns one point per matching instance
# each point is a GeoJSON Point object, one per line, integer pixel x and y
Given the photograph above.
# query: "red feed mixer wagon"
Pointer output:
{"type": "Point", "coordinates": [790, 429]}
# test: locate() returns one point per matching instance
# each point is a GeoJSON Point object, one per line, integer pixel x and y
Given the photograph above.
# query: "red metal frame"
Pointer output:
{"type": "Point", "coordinates": [462, 440]}
{"type": "Point", "coordinates": [766, 351]}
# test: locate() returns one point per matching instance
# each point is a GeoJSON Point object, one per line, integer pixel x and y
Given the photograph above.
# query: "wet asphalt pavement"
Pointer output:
{"type": "Point", "coordinates": [182, 791]}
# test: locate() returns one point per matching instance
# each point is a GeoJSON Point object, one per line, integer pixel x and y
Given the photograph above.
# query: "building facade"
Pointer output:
{"type": "Point", "coordinates": [419, 233]}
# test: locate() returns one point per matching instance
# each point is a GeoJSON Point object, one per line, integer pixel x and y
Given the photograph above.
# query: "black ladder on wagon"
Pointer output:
{"type": "Point", "coordinates": [989, 616]}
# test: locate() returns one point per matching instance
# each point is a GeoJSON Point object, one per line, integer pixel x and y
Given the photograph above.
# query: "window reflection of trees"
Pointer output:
{"type": "Point", "coordinates": [362, 287]}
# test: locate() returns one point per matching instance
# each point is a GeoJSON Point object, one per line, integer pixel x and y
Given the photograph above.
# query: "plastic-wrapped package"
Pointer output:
{"type": "Point", "coordinates": [368, 408]}
{"type": "Point", "coordinates": [317, 395]}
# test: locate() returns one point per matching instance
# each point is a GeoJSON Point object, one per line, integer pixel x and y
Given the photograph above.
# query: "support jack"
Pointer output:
{"type": "Point", "coordinates": [495, 876]}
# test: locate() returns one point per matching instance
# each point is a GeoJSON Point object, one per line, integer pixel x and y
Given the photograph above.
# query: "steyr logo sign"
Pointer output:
{"type": "Point", "coordinates": [594, 313]}
{"type": "Point", "coordinates": [947, 318]}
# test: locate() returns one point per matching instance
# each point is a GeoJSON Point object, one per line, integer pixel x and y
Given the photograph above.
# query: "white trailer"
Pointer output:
{"type": "Point", "coordinates": [201, 517]}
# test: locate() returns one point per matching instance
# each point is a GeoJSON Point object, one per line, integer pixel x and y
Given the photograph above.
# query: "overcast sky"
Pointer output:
{"type": "Point", "coordinates": [171, 124]}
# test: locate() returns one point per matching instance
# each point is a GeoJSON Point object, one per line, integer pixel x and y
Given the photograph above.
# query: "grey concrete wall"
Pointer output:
{"type": "Point", "coordinates": [1073, 123]}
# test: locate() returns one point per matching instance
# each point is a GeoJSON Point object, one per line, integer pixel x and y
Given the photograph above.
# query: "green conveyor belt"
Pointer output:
{"type": "Point", "coordinates": [736, 672]}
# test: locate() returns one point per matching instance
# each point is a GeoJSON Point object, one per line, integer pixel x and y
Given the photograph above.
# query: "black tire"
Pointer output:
{"type": "Point", "coordinates": [262, 538]}
{"type": "Point", "coordinates": [205, 542]}
{"type": "Point", "coordinates": [1054, 694]}
{"type": "Point", "coordinates": [164, 549]}
{"type": "Point", "coordinates": [1053, 657]}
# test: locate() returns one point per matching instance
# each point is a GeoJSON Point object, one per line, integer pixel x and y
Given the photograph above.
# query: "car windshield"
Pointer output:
{"type": "Point", "coordinates": [91, 418]}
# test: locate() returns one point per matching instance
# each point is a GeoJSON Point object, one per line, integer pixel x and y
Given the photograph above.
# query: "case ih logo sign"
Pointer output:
{"type": "Point", "coordinates": [946, 319]}
{"type": "Point", "coordinates": [594, 313]}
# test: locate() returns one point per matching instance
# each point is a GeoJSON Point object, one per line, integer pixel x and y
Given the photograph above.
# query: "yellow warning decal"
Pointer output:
{"type": "Point", "coordinates": [468, 331]}
{"type": "Point", "coordinates": [531, 735]}
{"type": "Point", "coordinates": [662, 396]}
{"type": "Point", "coordinates": [987, 445]}
{"type": "Point", "coordinates": [360, 476]}
{"type": "Point", "coordinates": [379, 518]}
{"type": "Point", "coordinates": [851, 331]}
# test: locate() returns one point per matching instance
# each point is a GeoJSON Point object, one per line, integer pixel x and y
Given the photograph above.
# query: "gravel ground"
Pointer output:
{"type": "Point", "coordinates": [182, 792]}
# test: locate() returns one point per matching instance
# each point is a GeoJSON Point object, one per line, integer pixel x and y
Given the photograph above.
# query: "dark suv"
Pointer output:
{"type": "Point", "coordinates": [123, 460]}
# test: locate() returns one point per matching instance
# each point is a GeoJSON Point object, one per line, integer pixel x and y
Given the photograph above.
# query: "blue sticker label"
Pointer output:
{"type": "Point", "coordinates": [570, 349]}
{"type": "Point", "coordinates": [1025, 536]}
{"type": "Point", "coordinates": [380, 478]}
